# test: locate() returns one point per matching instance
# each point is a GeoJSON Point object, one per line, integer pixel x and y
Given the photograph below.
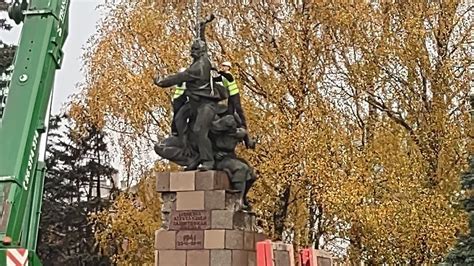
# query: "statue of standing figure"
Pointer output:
{"type": "Point", "coordinates": [205, 134]}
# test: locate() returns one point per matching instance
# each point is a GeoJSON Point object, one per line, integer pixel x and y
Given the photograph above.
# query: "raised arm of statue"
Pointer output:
{"type": "Point", "coordinates": [175, 79]}
{"type": "Point", "coordinates": [202, 26]}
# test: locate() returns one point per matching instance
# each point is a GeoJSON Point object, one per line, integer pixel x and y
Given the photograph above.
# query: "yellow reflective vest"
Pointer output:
{"type": "Point", "coordinates": [179, 91]}
{"type": "Point", "coordinates": [231, 86]}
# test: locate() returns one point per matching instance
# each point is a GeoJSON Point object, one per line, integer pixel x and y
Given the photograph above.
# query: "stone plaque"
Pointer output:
{"type": "Point", "coordinates": [190, 239]}
{"type": "Point", "coordinates": [190, 220]}
{"type": "Point", "coordinates": [324, 261]}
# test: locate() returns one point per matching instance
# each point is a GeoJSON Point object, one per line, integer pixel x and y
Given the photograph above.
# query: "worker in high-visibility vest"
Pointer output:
{"type": "Point", "coordinates": [179, 99]}
{"type": "Point", "coordinates": [234, 104]}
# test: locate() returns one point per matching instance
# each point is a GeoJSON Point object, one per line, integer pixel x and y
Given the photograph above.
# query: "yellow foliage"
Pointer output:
{"type": "Point", "coordinates": [359, 110]}
{"type": "Point", "coordinates": [126, 230]}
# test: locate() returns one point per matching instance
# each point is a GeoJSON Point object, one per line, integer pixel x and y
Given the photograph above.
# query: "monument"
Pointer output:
{"type": "Point", "coordinates": [206, 217]}
{"type": "Point", "coordinates": [206, 134]}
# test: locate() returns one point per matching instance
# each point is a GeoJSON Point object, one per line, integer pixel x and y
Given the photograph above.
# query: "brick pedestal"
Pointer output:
{"type": "Point", "coordinates": [201, 225]}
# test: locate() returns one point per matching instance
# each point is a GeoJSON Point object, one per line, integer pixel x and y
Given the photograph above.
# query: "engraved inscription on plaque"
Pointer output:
{"type": "Point", "coordinates": [190, 240]}
{"type": "Point", "coordinates": [190, 220]}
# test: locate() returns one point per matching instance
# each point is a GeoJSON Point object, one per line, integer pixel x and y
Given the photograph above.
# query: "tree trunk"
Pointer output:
{"type": "Point", "coordinates": [97, 152]}
{"type": "Point", "coordinates": [315, 222]}
{"type": "Point", "coordinates": [279, 216]}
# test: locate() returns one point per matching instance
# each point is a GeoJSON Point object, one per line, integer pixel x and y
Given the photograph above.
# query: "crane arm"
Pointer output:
{"type": "Point", "coordinates": [38, 56]}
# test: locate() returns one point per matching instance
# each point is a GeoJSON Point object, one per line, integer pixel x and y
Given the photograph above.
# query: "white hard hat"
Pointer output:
{"type": "Point", "coordinates": [182, 69]}
{"type": "Point", "coordinates": [227, 64]}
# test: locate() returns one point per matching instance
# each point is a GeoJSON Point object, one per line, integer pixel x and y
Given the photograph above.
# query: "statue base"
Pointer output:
{"type": "Point", "coordinates": [202, 223]}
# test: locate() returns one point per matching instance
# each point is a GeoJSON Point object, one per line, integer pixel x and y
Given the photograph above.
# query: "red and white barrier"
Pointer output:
{"type": "Point", "coordinates": [17, 257]}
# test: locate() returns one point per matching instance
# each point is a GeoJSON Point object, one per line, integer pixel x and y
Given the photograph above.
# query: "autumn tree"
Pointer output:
{"type": "Point", "coordinates": [402, 70]}
{"type": "Point", "coordinates": [125, 230]}
{"type": "Point", "coordinates": [359, 110]}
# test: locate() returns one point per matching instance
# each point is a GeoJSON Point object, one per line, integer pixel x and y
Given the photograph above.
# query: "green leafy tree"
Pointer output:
{"type": "Point", "coordinates": [7, 53]}
{"type": "Point", "coordinates": [463, 252]}
{"type": "Point", "coordinates": [77, 170]}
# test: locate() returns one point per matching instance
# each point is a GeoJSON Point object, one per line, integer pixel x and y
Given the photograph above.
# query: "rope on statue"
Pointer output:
{"type": "Point", "coordinates": [198, 32]}
{"type": "Point", "coordinates": [197, 15]}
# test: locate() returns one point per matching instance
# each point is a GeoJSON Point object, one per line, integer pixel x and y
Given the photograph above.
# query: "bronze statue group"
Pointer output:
{"type": "Point", "coordinates": [205, 132]}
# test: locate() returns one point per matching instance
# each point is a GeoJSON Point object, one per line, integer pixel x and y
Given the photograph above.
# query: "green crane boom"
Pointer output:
{"type": "Point", "coordinates": [39, 55]}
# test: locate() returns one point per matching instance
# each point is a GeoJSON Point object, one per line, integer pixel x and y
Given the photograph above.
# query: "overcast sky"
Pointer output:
{"type": "Point", "coordinates": [83, 17]}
